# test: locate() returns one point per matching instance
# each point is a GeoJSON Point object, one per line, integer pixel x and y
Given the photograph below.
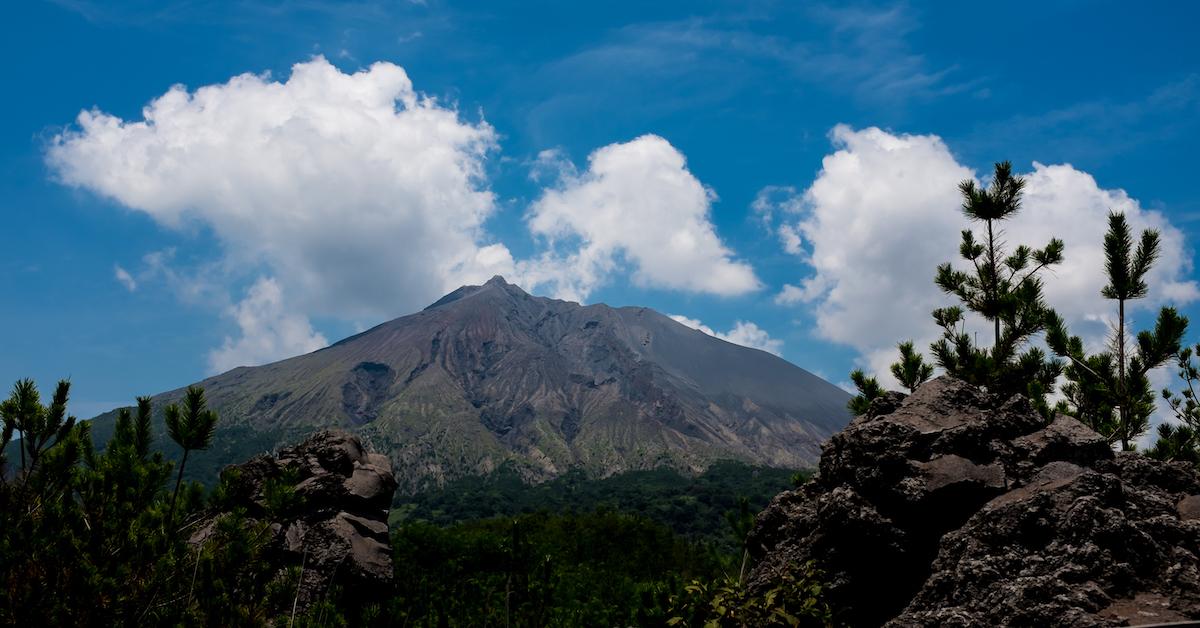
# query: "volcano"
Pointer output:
{"type": "Point", "coordinates": [491, 375]}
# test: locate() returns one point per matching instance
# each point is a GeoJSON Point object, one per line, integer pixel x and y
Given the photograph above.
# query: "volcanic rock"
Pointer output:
{"type": "Point", "coordinates": [331, 519]}
{"type": "Point", "coordinates": [955, 508]}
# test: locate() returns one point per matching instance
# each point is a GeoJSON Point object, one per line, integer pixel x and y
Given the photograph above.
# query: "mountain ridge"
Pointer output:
{"type": "Point", "coordinates": [489, 374]}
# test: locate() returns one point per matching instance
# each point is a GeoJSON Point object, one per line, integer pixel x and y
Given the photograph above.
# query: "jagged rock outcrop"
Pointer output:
{"type": "Point", "coordinates": [333, 521]}
{"type": "Point", "coordinates": [954, 508]}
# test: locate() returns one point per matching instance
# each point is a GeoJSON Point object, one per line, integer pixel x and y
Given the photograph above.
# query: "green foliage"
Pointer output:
{"type": "Point", "coordinates": [1186, 405]}
{"type": "Point", "coordinates": [1110, 390]}
{"type": "Point", "coordinates": [1116, 404]}
{"type": "Point", "coordinates": [1127, 269]}
{"type": "Point", "coordinates": [794, 601]}
{"type": "Point", "coordinates": [87, 537]}
{"type": "Point", "coordinates": [596, 569]}
{"type": "Point", "coordinates": [911, 371]}
{"type": "Point", "coordinates": [191, 428]}
{"type": "Point", "coordinates": [868, 389]}
{"type": "Point", "coordinates": [798, 479]}
{"type": "Point", "coordinates": [1176, 443]}
{"type": "Point", "coordinates": [279, 494]}
{"type": "Point", "coordinates": [1004, 289]}
{"type": "Point", "coordinates": [614, 552]}
{"type": "Point", "coordinates": [226, 581]}
{"type": "Point", "coordinates": [39, 426]}
{"type": "Point", "coordinates": [1181, 441]}
{"type": "Point", "coordinates": [694, 507]}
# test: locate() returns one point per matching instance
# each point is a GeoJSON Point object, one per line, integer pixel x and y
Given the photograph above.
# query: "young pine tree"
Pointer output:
{"type": "Point", "coordinates": [868, 389]}
{"type": "Point", "coordinates": [39, 523]}
{"type": "Point", "coordinates": [85, 538]}
{"type": "Point", "coordinates": [1176, 443]}
{"type": "Point", "coordinates": [1110, 391]}
{"type": "Point", "coordinates": [39, 426]}
{"type": "Point", "coordinates": [191, 428]}
{"type": "Point", "coordinates": [911, 371]}
{"type": "Point", "coordinates": [1182, 441]}
{"type": "Point", "coordinates": [121, 497]}
{"type": "Point", "coordinates": [1005, 290]}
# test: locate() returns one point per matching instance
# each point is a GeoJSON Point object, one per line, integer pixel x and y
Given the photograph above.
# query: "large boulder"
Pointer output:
{"type": "Point", "coordinates": [953, 507]}
{"type": "Point", "coordinates": [333, 524]}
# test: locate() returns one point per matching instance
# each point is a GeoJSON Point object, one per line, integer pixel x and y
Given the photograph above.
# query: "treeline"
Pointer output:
{"type": "Point", "coordinates": [602, 568]}
{"type": "Point", "coordinates": [92, 537]}
{"type": "Point", "coordinates": [590, 569]}
{"type": "Point", "coordinates": [695, 507]}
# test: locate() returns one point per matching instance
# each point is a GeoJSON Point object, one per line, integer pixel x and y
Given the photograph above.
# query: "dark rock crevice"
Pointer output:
{"type": "Point", "coordinates": [434, 346]}
{"type": "Point", "coordinates": [366, 390]}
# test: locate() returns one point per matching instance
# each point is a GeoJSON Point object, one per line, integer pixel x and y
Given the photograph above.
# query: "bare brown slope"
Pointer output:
{"type": "Point", "coordinates": [490, 374]}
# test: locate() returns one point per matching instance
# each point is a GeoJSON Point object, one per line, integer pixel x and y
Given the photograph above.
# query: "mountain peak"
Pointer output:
{"type": "Point", "coordinates": [497, 282]}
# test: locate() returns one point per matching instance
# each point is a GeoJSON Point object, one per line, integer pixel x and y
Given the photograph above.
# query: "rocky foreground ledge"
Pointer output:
{"type": "Point", "coordinates": [953, 508]}
{"type": "Point", "coordinates": [335, 526]}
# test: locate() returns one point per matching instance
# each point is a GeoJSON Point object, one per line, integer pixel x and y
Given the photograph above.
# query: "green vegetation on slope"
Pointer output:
{"type": "Point", "coordinates": [589, 569]}
{"type": "Point", "coordinates": [694, 507]}
{"type": "Point", "coordinates": [639, 548]}
{"type": "Point", "coordinates": [597, 569]}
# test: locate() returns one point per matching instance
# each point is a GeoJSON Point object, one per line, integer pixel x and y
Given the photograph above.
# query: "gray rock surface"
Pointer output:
{"type": "Point", "coordinates": [337, 525]}
{"type": "Point", "coordinates": [954, 508]}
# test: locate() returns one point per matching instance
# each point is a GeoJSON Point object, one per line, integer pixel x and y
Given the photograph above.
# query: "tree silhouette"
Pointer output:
{"type": "Point", "coordinates": [39, 426]}
{"type": "Point", "coordinates": [191, 428]}
{"type": "Point", "coordinates": [1176, 443]}
{"type": "Point", "coordinates": [1004, 289]}
{"type": "Point", "coordinates": [1182, 441]}
{"type": "Point", "coordinates": [911, 371]}
{"type": "Point", "coordinates": [868, 389]}
{"type": "Point", "coordinates": [1110, 391]}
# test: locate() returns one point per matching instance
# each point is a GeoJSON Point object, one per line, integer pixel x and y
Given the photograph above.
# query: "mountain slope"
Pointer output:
{"type": "Point", "coordinates": [490, 375]}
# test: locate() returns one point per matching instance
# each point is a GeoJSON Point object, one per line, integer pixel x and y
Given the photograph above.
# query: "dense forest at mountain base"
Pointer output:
{"type": "Point", "coordinates": [596, 569]}
{"type": "Point", "coordinates": [696, 507]}
{"type": "Point", "coordinates": [638, 548]}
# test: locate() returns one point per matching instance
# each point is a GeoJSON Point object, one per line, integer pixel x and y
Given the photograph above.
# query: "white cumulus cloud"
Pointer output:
{"type": "Point", "coordinates": [267, 328]}
{"type": "Point", "coordinates": [884, 211]}
{"type": "Point", "coordinates": [361, 197]}
{"type": "Point", "coordinates": [743, 333]}
{"type": "Point", "coordinates": [637, 203]}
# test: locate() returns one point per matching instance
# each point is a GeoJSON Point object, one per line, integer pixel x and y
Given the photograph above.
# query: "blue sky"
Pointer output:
{"type": "Point", "coordinates": [605, 152]}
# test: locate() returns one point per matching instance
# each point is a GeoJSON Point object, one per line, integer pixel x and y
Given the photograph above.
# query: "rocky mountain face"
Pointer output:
{"type": "Point", "coordinates": [333, 523]}
{"type": "Point", "coordinates": [954, 508]}
{"type": "Point", "coordinates": [490, 375]}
